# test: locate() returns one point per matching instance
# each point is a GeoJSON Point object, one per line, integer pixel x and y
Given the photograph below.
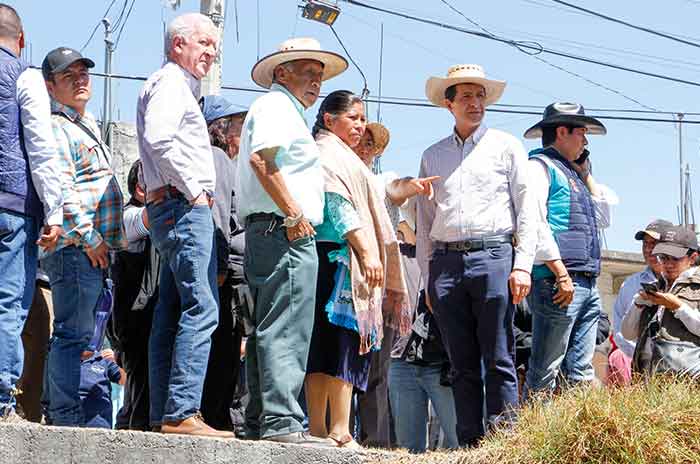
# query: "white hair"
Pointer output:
{"type": "Point", "coordinates": [184, 26]}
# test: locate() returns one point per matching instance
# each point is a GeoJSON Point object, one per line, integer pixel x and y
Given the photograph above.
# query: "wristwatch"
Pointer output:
{"type": "Point", "coordinates": [290, 221]}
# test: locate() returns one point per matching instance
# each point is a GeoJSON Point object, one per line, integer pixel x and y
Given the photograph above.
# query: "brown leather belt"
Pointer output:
{"type": "Point", "coordinates": [163, 193]}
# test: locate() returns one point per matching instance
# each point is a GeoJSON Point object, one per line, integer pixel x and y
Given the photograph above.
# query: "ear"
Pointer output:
{"type": "Point", "coordinates": [561, 131]}
{"type": "Point", "coordinates": [21, 40]}
{"type": "Point", "coordinates": [176, 45]}
{"type": "Point", "coordinates": [50, 87]}
{"type": "Point", "coordinates": [328, 120]}
{"type": "Point", "coordinates": [280, 74]}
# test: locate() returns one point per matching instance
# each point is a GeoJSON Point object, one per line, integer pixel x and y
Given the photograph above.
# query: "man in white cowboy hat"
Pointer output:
{"type": "Point", "coordinates": [281, 199]}
{"type": "Point", "coordinates": [571, 207]}
{"type": "Point", "coordinates": [476, 242]}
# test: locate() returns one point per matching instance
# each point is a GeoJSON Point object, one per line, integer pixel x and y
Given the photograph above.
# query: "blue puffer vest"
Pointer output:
{"type": "Point", "coordinates": [17, 191]}
{"type": "Point", "coordinates": [571, 216]}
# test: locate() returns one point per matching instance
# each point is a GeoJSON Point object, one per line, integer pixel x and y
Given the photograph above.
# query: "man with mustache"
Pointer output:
{"type": "Point", "coordinates": [180, 178]}
{"type": "Point", "coordinates": [92, 221]}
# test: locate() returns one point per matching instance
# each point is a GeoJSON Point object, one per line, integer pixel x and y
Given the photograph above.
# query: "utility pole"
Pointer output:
{"type": "Point", "coordinates": [680, 167]}
{"type": "Point", "coordinates": [107, 97]}
{"type": "Point", "coordinates": [214, 9]}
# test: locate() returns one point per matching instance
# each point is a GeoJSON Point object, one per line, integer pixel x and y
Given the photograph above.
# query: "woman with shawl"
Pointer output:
{"type": "Point", "coordinates": [360, 285]}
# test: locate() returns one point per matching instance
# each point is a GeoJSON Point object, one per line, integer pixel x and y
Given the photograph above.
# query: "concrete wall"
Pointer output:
{"type": "Point", "coordinates": [124, 152]}
{"type": "Point", "coordinates": [35, 444]}
{"type": "Point", "coordinates": [616, 266]}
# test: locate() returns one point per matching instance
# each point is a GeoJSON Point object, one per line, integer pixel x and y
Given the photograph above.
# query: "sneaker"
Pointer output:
{"type": "Point", "coordinates": [302, 438]}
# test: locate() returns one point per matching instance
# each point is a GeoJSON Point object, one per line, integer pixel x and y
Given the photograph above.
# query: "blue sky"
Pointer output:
{"type": "Point", "coordinates": [638, 160]}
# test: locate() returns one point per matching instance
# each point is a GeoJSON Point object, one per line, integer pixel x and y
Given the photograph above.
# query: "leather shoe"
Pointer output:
{"type": "Point", "coordinates": [302, 438]}
{"type": "Point", "coordinates": [194, 425]}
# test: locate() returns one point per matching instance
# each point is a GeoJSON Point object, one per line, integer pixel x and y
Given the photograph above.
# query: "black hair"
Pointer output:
{"type": "Point", "coordinates": [335, 103]}
{"type": "Point", "coordinates": [133, 179]}
{"type": "Point", "coordinates": [10, 23]}
{"type": "Point", "coordinates": [451, 92]}
{"type": "Point", "coordinates": [549, 133]}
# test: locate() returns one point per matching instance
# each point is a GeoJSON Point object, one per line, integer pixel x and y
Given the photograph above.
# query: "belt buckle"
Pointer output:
{"type": "Point", "coordinates": [466, 245]}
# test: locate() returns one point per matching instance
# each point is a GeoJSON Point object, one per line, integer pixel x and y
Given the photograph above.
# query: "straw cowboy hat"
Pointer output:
{"type": "Point", "coordinates": [380, 136]}
{"type": "Point", "coordinates": [562, 114]}
{"type": "Point", "coordinates": [302, 48]}
{"type": "Point", "coordinates": [463, 74]}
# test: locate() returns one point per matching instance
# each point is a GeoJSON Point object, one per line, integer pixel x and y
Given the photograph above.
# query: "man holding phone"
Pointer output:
{"type": "Point", "coordinates": [571, 207]}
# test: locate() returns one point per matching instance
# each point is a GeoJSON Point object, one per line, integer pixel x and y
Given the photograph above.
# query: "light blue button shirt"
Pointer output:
{"type": "Point", "coordinates": [276, 120]}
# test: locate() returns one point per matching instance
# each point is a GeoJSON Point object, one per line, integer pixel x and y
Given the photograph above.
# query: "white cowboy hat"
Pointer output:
{"type": "Point", "coordinates": [302, 48]}
{"type": "Point", "coordinates": [463, 74]}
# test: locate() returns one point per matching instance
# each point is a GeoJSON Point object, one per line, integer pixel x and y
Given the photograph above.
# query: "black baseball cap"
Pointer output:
{"type": "Point", "coordinates": [654, 229]}
{"type": "Point", "coordinates": [676, 241]}
{"type": "Point", "coordinates": [59, 59]}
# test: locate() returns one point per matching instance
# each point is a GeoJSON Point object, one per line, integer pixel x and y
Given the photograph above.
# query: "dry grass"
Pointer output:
{"type": "Point", "coordinates": [650, 422]}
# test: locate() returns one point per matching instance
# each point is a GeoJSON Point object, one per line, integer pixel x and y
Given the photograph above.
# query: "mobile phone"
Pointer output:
{"type": "Point", "coordinates": [650, 287]}
{"type": "Point", "coordinates": [584, 156]}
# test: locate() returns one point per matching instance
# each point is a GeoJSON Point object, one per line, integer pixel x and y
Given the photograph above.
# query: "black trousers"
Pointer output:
{"type": "Point", "coordinates": [133, 357]}
{"type": "Point", "coordinates": [224, 363]}
{"type": "Point", "coordinates": [474, 311]}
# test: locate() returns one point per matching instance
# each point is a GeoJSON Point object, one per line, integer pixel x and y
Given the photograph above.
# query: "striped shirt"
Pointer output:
{"type": "Point", "coordinates": [92, 209]}
{"type": "Point", "coordinates": [482, 191]}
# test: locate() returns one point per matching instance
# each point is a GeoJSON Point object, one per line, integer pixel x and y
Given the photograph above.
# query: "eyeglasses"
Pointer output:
{"type": "Point", "coordinates": [668, 258]}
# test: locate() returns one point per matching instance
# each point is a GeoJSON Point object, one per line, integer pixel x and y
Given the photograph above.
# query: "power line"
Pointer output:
{"type": "Point", "coordinates": [402, 101]}
{"type": "Point", "coordinates": [524, 45]}
{"type": "Point", "coordinates": [94, 30]}
{"type": "Point", "coordinates": [126, 19]}
{"type": "Point", "coordinates": [121, 14]}
{"type": "Point", "coordinates": [548, 63]}
{"type": "Point", "coordinates": [365, 90]}
{"type": "Point", "coordinates": [625, 23]}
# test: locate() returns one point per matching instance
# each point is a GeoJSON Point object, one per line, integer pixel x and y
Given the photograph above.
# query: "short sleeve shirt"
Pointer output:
{"type": "Point", "coordinates": [277, 120]}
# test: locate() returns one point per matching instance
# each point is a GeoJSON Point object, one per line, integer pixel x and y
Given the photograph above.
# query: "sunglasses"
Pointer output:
{"type": "Point", "coordinates": [669, 258]}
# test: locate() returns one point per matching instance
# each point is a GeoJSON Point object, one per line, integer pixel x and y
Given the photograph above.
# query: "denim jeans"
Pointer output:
{"type": "Point", "coordinates": [75, 288]}
{"type": "Point", "coordinates": [18, 252]}
{"type": "Point", "coordinates": [563, 339]}
{"type": "Point", "coordinates": [410, 388]}
{"type": "Point", "coordinates": [187, 311]}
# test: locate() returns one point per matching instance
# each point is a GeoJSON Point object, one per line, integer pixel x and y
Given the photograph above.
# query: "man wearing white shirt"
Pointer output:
{"type": "Point", "coordinates": [179, 173]}
{"type": "Point", "coordinates": [572, 208]}
{"type": "Point", "coordinates": [30, 195]}
{"type": "Point", "coordinates": [476, 241]}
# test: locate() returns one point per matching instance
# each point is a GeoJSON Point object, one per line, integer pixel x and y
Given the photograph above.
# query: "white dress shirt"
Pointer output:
{"type": "Point", "coordinates": [547, 249]}
{"type": "Point", "coordinates": [482, 192]}
{"type": "Point", "coordinates": [172, 133]}
{"type": "Point", "coordinates": [39, 141]}
{"type": "Point", "coordinates": [623, 303]}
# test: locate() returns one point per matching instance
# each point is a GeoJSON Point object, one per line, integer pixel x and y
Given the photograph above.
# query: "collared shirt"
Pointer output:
{"type": "Point", "coordinates": [35, 114]}
{"type": "Point", "coordinates": [92, 210]}
{"type": "Point", "coordinates": [623, 303]}
{"type": "Point", "coordinates": [547, 249]}
{"type": "Point", "coordinates": [482, 191]}
{"type": "Point", "coordinates": [276, 120]}
{"type": "Point", "coordinates": [173, 137]}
